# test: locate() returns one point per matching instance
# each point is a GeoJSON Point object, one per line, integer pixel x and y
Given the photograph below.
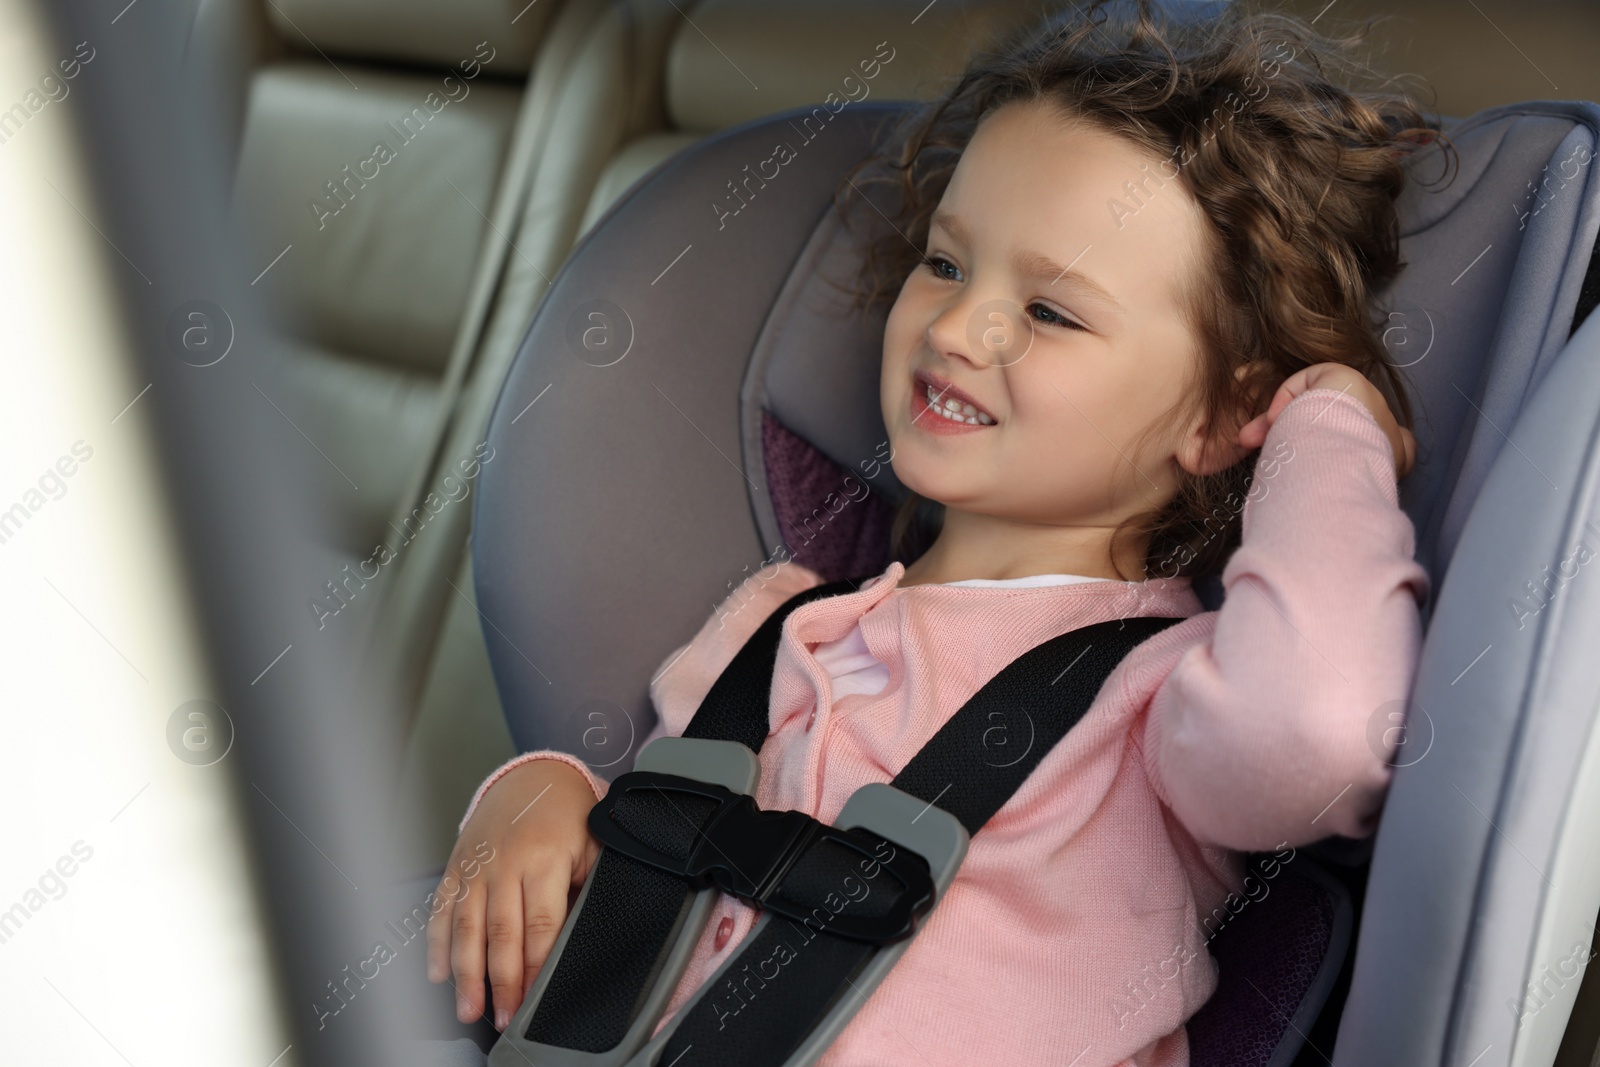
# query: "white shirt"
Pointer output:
{"type": "Point", "coordinates": [854, 669]}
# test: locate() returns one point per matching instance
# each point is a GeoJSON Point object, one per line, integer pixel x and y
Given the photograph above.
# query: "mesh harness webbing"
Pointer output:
{"type": "Point", "coordinates": [788, 976]}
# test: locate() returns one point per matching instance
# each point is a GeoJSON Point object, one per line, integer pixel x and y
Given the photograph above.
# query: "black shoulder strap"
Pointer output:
{"type": "Point", "coordinates": [988, 748]}
{"type": "Point", "coordinates": [631, 916]}
{"type": "Point", "coordinates": [970, 768]}
{"type": "Point", "coordinates": [982, 755]}
{"type": "Point", "coordinates": [735, 708]}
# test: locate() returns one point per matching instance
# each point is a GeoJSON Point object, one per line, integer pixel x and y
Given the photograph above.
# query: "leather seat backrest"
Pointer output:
{"type": "Point", "coordinates": [741, 60]}
{"type": "Point", "coordinates": [371, 143]}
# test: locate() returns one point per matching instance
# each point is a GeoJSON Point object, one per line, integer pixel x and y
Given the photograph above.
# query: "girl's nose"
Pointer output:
{"type": "Point", "coordinates": [947, 332]}
{"type": "Point", "coordinates": [992, 333]}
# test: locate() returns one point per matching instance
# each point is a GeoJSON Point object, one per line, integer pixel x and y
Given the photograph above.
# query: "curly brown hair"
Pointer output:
{"type": "Point", "coordinates": [1297, 175]}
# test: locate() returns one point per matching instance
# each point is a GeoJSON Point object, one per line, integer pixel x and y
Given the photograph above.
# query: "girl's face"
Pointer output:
{"type": "Point", "coordinates": [1055, 317]}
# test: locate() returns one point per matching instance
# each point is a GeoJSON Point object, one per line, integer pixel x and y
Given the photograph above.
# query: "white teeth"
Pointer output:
{"type": "Point", "coordinates": [955, 411]}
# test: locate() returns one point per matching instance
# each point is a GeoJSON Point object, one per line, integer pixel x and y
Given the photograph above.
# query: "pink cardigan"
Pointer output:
{"type": "Point", "coordinates": [1075, 931]}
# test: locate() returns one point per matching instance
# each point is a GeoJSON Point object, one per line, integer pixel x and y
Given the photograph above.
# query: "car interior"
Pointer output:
{"type": "Point", "coordinates": [396, 374]}
{"type": "Point", "coordinates": [398, 216]}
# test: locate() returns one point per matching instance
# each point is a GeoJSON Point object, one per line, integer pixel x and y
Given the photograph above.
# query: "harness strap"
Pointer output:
{"type": "Point", "coordinates": [630, 919]}
{"type": "Point", "coordinates": [762, 1005]}
{"type": "Point", "coordinates": [737, 706]}
{"type": "Point", "coordinates": [623, 938]}
{"type": "Point", "coordinates": [779, 861]}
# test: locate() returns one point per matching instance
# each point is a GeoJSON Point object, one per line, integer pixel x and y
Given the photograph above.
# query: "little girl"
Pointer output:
{"type": "Point", "coordinates": [1133, 289]}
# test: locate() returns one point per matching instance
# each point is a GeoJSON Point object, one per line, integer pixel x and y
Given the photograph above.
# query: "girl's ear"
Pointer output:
{"type": "Point", "coordinates": [1209, 448]}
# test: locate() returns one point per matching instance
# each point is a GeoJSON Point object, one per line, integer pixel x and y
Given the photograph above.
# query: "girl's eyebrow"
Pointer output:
{"type": "Point", "coordinates": [1032, 264]}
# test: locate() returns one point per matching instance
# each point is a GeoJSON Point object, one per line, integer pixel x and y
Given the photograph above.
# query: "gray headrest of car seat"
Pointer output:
{"type": "Point", "coordinates": [624, 498]}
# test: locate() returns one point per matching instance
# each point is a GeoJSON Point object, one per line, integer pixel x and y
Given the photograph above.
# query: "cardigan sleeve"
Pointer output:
{"type": "Point", "coordinates": [686, 676]}
{"type": "Point", "coordinates": [1278, 727]}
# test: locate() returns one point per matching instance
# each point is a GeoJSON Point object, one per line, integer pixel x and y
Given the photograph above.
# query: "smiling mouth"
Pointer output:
{"type": "Point", "coordinates": [953, 410]}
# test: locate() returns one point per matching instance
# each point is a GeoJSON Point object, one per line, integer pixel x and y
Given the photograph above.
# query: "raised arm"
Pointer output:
{"type": "Point", "coordinates": [1277, 729]}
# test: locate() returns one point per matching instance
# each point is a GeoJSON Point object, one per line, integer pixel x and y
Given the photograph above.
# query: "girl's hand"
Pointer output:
{"type": "Point", "coordinates": [535, 820]}
{"type": "Point", "coordinates": [1345, 379]}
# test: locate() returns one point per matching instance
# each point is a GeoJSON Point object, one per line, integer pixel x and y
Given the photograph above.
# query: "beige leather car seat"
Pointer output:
{"type": "Point", "coordinates": [733, 61]}
{"type": "Point", "coordinates": [371, 153]}
{"type": "Point", "coordinates": [410, 176]}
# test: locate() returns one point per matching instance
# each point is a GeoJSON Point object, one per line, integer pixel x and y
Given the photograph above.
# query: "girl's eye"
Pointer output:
{"type": "Point", "coordinates": [1048, 316]}
{"type": "Point", "coordinates": [937, 263]}
{"type": "Point", "coordinates": [1056, 318]}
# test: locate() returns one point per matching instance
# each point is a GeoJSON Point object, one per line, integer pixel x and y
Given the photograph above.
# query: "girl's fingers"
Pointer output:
{"type": "Point", "coordinates": [1261, 425]}
{"type": "Point", "coordinates": [544, 902]}
{"type": "Point", "coordinates": [1319, 376]}
{"type": "Point", "coordinates": [1290, 389]}
{"type": "Point", "coordinates": [466, 954]}
{"type": "Point", "coordinates": [442, 910]}
{"type": "Point", "coordinates": [1253, 434]}
{"type": "Point", "coordinates": [503, 929]}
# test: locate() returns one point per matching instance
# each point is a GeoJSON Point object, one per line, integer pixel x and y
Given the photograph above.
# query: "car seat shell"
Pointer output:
{"type": "Point", "coordinates": [651, 489]}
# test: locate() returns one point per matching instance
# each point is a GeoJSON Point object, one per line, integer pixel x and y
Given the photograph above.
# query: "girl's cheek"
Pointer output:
{"type": "Point", "coordinates": [903, 298]}
{"type": "Point", "coordinates": [900, 332]}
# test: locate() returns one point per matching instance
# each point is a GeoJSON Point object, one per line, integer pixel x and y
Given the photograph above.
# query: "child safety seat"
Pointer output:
{"type": "Point", "coordinates": [694, 399]}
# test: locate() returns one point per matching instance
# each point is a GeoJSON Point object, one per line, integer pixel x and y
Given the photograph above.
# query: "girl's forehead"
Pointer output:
{"type": "Point", "coordinates": [1028, 148]}
{"type": "Point", "coordinates": [1033, 187]}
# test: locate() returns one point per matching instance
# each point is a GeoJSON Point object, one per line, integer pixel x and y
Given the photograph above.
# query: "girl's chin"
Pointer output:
{"type": "Point", "coordinates": [932, 482]}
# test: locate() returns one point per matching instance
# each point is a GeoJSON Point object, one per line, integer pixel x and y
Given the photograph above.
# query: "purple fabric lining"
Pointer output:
{"type": "Point", "coordinates": [832, 521]}
{"type": "Point", "coordinates": [1278, 943]}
